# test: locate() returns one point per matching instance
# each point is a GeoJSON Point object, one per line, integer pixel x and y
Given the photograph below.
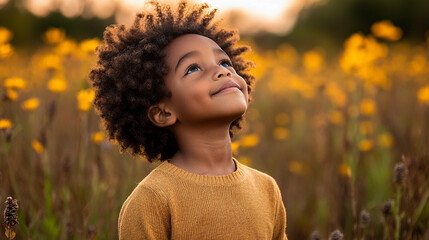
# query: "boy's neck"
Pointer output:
{"type": "Point", "coordinates": [204, 151]}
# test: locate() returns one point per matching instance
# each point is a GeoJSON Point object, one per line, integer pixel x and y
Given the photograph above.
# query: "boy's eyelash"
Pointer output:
{"type": "Point", "coordinates": [190, 67]}
{"type": "Point", "coordinates": [194, 65]}
{"type": "Point", "coordinates": [226, 61]}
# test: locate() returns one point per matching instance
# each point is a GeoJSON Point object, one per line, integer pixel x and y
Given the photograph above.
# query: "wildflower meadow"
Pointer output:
{"type": "Point", "coordinates": [345, 135]}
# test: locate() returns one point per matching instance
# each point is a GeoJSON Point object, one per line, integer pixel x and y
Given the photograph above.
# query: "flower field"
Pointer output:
{"type": "Point", "coordinates": [346, 136]}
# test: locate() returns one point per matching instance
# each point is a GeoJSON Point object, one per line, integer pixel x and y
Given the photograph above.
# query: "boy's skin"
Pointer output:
{"type": "Point", "coordinates": [197, 113]}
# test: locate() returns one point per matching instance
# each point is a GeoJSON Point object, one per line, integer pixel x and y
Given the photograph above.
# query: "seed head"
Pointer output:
{"type": "Point", "coordinates": [387, 208]}
{"type": "Point", "coordinates": [91, 232]}
{"type": "Point", "coordinates": [10, 216]}
{"type": "Point", "coordinates": [400, 173]}
{"type": "Point", "coordinates": [336, 235]}
{"type": "Point", "coordinates": [315, 235]}
{"type": "Point", "coordinates": [8, 132]}
{"type": "Point", "coordinates": [364, 219]}
{"type": "Point", "coordinates": [11, 212]}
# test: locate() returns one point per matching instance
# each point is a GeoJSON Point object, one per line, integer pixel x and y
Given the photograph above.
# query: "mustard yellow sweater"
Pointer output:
{"type": "Point", "coordinates": [171, 203]}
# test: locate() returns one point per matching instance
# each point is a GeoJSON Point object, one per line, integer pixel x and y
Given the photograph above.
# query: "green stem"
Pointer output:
{"type": "Point", "coordinates": [421, 206]}
{"type": "Point", "coordinates": [354, 162]}
{"type": "Point", "coordinates": [83, 142]}
{"type": "Point", "coordinates": [397, 213]}
{"type": "Point", "coordinates": [419, 211]}
{"type": "Point", "coordinates": [386, 229]}
{"type": "Point", "coordinates": [5, 152]}
{"type": "Point", "coordinates": [363, 234]}
{"type": "Point", "coordinates": [354, 210]}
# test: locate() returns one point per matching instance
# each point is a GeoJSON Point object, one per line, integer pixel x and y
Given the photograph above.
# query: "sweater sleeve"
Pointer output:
{"type": "Point", "coordinates": [144, 215]}
{"type": "Point", "coordinates": [280, 218]}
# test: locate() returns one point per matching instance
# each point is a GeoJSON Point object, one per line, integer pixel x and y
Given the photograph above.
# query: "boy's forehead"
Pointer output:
{"type": "Point", "coordinates": [187, 43]}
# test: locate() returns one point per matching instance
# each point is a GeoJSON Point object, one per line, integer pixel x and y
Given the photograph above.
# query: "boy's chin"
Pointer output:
{"type": "Point", "coordinates": [235, 114]}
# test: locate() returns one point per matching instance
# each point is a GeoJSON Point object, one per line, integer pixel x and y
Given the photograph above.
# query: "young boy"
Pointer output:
{"type": "Point", "coordinates": [171, 88]}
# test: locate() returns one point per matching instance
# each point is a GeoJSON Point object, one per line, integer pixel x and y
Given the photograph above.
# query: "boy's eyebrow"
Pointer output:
{"type": "Point", "coordinates": [220, 50]}
{"type": "Point", "coordinates": [189, 54]}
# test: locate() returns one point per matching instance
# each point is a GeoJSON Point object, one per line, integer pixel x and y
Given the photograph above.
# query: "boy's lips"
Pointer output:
{"type": "Point", "coordinates": [226, 86]}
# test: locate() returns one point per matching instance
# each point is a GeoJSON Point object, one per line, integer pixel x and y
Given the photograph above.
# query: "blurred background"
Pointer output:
{"type": "Point", "coordinates": [340, 116]}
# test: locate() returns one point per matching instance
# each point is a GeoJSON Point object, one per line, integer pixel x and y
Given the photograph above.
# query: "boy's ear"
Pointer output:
{"type": "Point", "coordinates": [160, 115]}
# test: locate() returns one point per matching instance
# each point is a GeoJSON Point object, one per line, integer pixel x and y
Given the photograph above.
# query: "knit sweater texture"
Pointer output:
{"type": "Point", "coordinates": [171, 203]}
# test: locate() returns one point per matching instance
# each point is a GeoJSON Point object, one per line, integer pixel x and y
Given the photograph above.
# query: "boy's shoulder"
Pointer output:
{"type": "Point", "coordinates": [260, 176]}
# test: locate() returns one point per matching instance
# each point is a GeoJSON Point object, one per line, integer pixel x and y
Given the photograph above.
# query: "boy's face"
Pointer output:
{"type": "Point", "coordinates": [204, 85]}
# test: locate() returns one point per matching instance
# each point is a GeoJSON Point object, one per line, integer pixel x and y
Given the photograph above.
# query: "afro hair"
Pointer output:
{"type": "Point", "coordinates": [129, 75]}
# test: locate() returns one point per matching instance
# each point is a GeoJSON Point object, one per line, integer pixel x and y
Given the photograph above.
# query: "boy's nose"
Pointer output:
{"type": "Point", "coordinates": [222, 72]}
{"type": "Point", "coordinates": [228, 74]}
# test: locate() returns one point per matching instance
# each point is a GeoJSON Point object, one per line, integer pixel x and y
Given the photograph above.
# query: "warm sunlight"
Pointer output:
{"type": "Point", "coordinates": [249, 16]}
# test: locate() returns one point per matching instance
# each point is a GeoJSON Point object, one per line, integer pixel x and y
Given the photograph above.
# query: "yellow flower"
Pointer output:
{"type": "Point", "coordinates": [66, 47]}
{"type": "Point", "coordinates": [367, 106]}
{"type": "Point", "coordinates": [295, 167]}
{"type": "Point", "coordinates": [280, 133]}
{"type": "Point", "coordinates": [385, 140]}
{"type": "Point", "coordinates": [305, 89]}
{"type": "Point", "coordinates": [30, 104]}
{"type": "Point", "coordinates": [365, 145]}
{"type": "Point", "coordinates": [282, 119]}
{"type": "Point", "coordinates": [287, 54]}
{"type": "Point", "coordinates": [57, 84]}
{"type": "Point", "coordinates": [423, 94]}
{"type": "Point", "coordinates": [37, 146]}
{"type": "Point", "coordinates": [335, 94]}
{"type": "Point", "coordinates": [313, 61]}
{"type": "Point", "coordinates": [244, 160]}
{"type": "Point", "coordinates": [250, 140]}
{"type": "Point", "coordinates": [345, 170]}
{"type": "Point", "coordinates": [89, 45]}
{"type": "Point", "coordinates": [54, 35]}
{"type": "Point", "coordinates": [5, 123]}
{"type": "Point", "coordinates": [278, 82]}
{"type": "Point", "coordinates": [11, 94]}
{"type": "Point", "coordinates": [234, 147]}
{"type": "Point", "coordinates": [417, 65]}
{"type": "Point", "coordinates": [365, 128]}
{"type": "Point", "coordinates": [6, 50]}
{"type": "Point", "coordinates": [98, 137]}
{"type": "Point", "coordinates": [50, 61]}
{"type": "Point", "coordinates": [336, 117]}
{"type": "Point", "coordinates": [260, 67]}
{"type": "Point", "coordinates": [374, 75]}
{"type": "Point", "coordinates": [385, 29]}
{"type": "Point", "coordinates": [361, 52]}
{"type": "Point", "coordinates": [5, 35]}
{"type": "Point", "coordinates": [15, 83]}
{"type": "Point", "coordinates": [85, 98]}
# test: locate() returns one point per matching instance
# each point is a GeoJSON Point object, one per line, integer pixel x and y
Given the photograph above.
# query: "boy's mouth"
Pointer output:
{"type": "Point", "coordinates": [228, 86]}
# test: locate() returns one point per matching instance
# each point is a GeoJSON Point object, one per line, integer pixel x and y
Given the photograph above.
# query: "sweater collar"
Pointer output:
{"type": "Point", "coordinates": [230, 179]}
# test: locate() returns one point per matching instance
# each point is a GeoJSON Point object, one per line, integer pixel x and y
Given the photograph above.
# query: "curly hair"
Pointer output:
{"type": "Point", "coordinates": [129, 75]}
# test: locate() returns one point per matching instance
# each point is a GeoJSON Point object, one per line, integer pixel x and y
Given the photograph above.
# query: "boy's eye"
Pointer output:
{"type": "Point", "coordinates": [225, 63]}
{"type": "Point", "coordinates": [192, 69]}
